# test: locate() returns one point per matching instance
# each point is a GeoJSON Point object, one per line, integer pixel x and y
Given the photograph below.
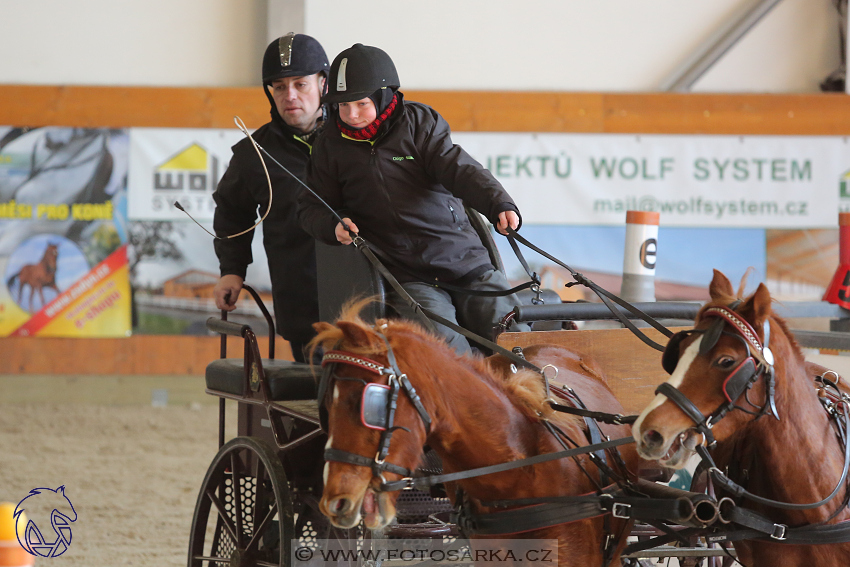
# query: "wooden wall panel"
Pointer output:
{"type": "Point", "coordinates": [669, 113]}
{"type": "Point", "coordinates": [632, 368]}
{"type": "Point", "coordinates": [638, 113]}
{"type": "Point", "coordinates": [139, 354]}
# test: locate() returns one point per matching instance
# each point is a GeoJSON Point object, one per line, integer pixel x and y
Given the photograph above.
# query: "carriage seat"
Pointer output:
{"type": "Point", "coordinates": [287, 380]}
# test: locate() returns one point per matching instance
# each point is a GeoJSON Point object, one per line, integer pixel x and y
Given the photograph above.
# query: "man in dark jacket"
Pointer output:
{"type": "Point", "coordinates": [391, 166]}
{"type": "Point", "coordinates": [294, 73]}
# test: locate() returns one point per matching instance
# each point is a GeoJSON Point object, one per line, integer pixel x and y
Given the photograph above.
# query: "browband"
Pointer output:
{"type": "Point", "coordinates": [743, 327]}
{"type": "Point", "coordinates": [335, 356]}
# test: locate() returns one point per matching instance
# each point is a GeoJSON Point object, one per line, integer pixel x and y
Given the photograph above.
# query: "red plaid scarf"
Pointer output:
{"type": "Point", "coordinates": [369, 131]}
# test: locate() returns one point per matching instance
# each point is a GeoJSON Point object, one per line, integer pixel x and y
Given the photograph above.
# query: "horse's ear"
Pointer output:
{"type": "Point", "coordinates": [322, 326]}
{"type": "Point", "coordinates": [760, 305]}
{"type": "Point", "coordinates": [356, 335]}
{"type": "Point", "coordinates": [720, 287]}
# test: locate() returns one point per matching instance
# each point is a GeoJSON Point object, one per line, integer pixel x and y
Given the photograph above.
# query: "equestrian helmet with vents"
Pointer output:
{"type": "Point", "coordinates": [293, 55]}
{"type": "Point", "coordinates": [359, 71]}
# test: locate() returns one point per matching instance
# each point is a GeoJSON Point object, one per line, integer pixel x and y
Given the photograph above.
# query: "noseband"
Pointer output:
{"type": "Point", "coordinates": [758, 362]}
{"type": "Point", "coordinates": [378, 406]}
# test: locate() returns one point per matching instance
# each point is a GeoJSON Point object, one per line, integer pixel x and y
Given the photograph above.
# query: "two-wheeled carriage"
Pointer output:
{"type": "Point", "coordinates": [264, 488]}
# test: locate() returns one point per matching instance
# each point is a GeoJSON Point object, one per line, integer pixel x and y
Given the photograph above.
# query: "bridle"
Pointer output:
{"type": "Point", "coordinates": [758, 363]}
{"type": "Point", "coordinates": [377, 407]}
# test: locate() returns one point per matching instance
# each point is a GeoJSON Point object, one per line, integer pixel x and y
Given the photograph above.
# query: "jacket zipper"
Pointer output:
{"type": "Point", "coordinates": [309, 147]}
{"type": "Point", "coordinates": [373, 161]}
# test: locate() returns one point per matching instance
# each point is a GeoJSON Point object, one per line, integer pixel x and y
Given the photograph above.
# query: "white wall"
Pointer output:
{"type": "Point", "coordinates": [609, 45]}
{"type": "Point", "coordinates": [138, 42]}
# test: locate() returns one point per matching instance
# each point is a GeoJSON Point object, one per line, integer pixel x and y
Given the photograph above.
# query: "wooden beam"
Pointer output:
{"type": "Point", "coordinates": [139, 354]}
{"type": "Point", "coordinates": [503, 111]}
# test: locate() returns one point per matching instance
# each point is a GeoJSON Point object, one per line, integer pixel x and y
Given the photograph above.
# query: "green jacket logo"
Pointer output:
{"type": "Point", "coordinates": [401, 158]}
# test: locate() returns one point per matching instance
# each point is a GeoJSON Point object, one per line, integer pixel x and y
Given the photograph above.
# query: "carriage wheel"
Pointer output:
{"type": "Point", "coordinates": [243, 516]}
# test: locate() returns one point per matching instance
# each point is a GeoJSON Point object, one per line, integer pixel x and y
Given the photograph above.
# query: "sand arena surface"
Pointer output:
{"type": "Point", "coordinates": [132, 471]}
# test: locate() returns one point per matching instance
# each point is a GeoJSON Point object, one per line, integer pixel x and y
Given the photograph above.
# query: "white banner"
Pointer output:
{"type": "Point", "coordinates": [707, 181]}
{"type": "Point", "coordinates": [169, 165]}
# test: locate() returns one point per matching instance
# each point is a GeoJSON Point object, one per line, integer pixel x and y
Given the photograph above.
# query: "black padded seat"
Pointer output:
{"type": "Point", "coordinates": [287, 380]}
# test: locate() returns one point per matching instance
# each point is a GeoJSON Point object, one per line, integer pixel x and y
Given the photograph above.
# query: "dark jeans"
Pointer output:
{"type": "Point", "coordinates": [474, 313]}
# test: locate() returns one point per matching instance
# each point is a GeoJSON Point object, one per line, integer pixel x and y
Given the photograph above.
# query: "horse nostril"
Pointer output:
{"type": "Point", "coordinates": [340, 506]}
{"type": "Point", "coordinates": [652, 438]}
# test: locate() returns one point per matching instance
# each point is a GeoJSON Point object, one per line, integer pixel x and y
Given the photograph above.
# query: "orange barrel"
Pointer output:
{"type": "Point", "coordinates": [639, 256]}
{"type": "Point", "coordinates": [11, 552]}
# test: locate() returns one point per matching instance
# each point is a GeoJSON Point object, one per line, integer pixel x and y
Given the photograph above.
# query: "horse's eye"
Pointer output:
{"type": "Point", "coordinates": [725, 362]}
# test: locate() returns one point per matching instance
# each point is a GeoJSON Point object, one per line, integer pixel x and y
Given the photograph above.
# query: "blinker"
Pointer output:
{"type": "Point", "coordinates": [374, 406]}
{"type": "Point", "coordinates": [739, 379]}
{"type": "Point", "coordinates": [670, 358]}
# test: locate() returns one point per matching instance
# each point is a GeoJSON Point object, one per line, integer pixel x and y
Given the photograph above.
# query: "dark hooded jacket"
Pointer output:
{"type": "Point", "coordinates": [405, 190]}
{"type": "Point", "coordinates": [242, 194]}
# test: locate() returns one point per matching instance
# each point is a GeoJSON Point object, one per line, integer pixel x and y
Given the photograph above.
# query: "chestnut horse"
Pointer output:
{"type": "Point", "coordinates": [38, 276]}
{"type": "Point", "coordinates": [795, 459]}
{"type": "Point", "coordinates": [481, 413]}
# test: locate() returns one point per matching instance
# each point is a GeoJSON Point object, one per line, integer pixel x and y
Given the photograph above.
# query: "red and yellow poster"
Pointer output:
{"type": "Point", "coordinates": [63, 233]}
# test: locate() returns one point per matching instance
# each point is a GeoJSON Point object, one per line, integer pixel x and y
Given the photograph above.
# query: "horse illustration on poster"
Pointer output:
{"type": "Point", "coordinates": [37, 276]}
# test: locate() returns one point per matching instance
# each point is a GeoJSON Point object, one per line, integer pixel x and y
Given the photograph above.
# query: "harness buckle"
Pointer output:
{"type": "Point", "coordinates": [621, 510]}
{"type": "Point", "coordinates": [779, 532]}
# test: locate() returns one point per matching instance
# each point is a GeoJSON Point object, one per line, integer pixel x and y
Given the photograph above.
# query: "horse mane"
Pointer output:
{"type": "Point", "coordinates": [524, 388]}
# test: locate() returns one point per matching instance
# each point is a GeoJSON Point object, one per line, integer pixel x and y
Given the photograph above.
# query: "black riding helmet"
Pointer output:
{"type": "Point", "coordinates": [293, 55]}
{"type": "Point", "coordinates": [358, 72]}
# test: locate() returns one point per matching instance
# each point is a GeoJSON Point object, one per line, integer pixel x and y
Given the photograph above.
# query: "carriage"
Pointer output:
{"type": "Point", "coordinates": [264, 488]}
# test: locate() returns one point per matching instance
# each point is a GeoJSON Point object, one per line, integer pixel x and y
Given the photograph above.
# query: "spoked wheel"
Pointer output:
{"type": "Point", "coordinates": [243, 516]}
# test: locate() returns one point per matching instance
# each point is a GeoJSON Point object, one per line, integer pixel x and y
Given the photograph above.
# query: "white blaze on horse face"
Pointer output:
{"type": "Point", "coordinates": [336, 392]}
{"type": "Point", "coordinates": [328, 445]}
{"type": "Point", "coordinates": [675, 380]}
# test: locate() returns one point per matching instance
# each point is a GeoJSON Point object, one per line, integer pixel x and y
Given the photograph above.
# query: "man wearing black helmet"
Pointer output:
{"type": "Point", "coordinates": [391, 166]}
{"type": "Point", "coordinates": [294, 73]}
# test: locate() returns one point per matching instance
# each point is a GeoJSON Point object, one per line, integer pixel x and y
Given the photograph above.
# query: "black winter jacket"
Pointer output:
{"type": "Point", "coordinates": [242, 194]}
{"type": "Point", "coordinates": [405, 190]}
